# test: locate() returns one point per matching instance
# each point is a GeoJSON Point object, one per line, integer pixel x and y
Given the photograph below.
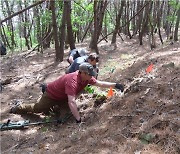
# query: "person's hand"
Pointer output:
{"type": "Point", "coordinates": [119, 86]}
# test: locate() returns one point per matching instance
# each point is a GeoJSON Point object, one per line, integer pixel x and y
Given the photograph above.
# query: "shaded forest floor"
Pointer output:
{"type": "Point", "coordinates": [143, 120]}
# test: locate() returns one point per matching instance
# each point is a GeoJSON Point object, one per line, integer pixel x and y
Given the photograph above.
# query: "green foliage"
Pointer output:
{"type": "Point", "coordinates": [46, 17]}
{"type": "Point", "coordinates": [110, 25]}
{"type": "Point", "coordinates": [175, 4]}
{"type": "Point", "coordinates": [89, 89]}
{"type": "Point", "coordinates": [44, 129]}
{"type": "Point", "coordinates": [81, 14]}
{"type": "Point", "coordinates": [47, 119]}
{"type": "Point", "coordinates": [89, 7]}
{"type": "Point", "coordinates": [146, 138]}
{"type": "Point", "coordinates": [171, 18]}
{"type": "Point", "coordinates": [93, 90]}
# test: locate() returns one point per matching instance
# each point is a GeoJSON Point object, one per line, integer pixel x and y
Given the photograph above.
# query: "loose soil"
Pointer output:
{"type": "Point", "coordinates": [142, 120]}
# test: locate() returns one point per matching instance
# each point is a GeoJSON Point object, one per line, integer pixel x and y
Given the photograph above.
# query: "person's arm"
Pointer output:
{"type": "Point", "coordinates": [105, 84]}
{"type": "Point", "coordinates": [71, 55]}
{"type": "Point", "coordinates": [73, 107]}
{"type": "Point", "coordinates": [71, 59]}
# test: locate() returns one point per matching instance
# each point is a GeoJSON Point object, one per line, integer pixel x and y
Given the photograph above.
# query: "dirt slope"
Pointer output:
{"type": "Point", "coordinates": [143, 120]}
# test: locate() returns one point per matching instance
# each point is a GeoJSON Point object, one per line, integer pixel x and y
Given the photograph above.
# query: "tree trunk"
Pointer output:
{"type": "Point", "coordinates": [62, 34]}
{"type": "Point", "coordinates": [37, 32]}
{"type": "Point", "coordinates": [10, 25]}
{"type": "Point", "coordinates": [159, 19]}
{"type": "Point", "coordinates": [69, 26]}
{"type": "Point", "coordinates": [26, 29]}
{"type": "Point", "coordinates": [59, 57]}
{"type": "Point", "coordinates": [134, 21]}
{"type": "Point", "coordinates": [167, 24]}
{"type": "Point", "coordinates": [93, 43]}
{"type": "Point", "coordinates": [117, 26]}
{"type": "Point", "coordinates": [47, 38]}
{"type": "Point", "coordinates": [98, 20]}
{"type": "Point", "coordinates": [177, 26]}
{"type": "Point", "coordinates": [144, 25]}
{"type": "Point", "coordinates": [103, 6]}
{"type": "Point", "coordinates": [127, 21]}
{"type": "Point", "coordinates": [88, 27]}
{"type": "Point", "coordinates": [4, 37]}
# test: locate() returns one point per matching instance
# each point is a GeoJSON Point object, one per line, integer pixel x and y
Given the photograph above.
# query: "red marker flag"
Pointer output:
{"type": "Point", "coordinates": [110, 92]}
{"type": "Point", "coordinates": [149, 68]}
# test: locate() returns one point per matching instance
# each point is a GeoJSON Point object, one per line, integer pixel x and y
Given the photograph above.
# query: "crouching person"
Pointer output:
{"type": "Point", "coordinates": [63, 92]}
{"type": "Point", "coordinates": [75, 53]}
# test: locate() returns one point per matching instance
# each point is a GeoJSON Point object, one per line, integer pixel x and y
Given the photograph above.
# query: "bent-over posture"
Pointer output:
{"type": "Point", "coordinates": [63, 92]}
{"type": "Point", "coordinates": [75, 53]}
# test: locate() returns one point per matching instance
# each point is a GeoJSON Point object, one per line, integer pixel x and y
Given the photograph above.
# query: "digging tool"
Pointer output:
{"type": "Point", "coordinates": [26, 123]}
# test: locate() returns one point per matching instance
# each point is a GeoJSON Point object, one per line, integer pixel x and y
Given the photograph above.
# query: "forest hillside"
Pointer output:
{"type": "Point", "coordinates": [142, 120]}
{"type": "Point", "coordinates": [138, 45]}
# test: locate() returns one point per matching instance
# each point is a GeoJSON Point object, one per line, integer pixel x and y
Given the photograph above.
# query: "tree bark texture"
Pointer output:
{"type": "Point", "coordinates": [177, 26]}
{"type": "Point", "coordinates": [59, 56]}
{"type": "Point", "coordinates": [99, 9]}
{"type": "Point", "coordinates": [117, 26]}
{"type": "Point", "coordinates": [69, 26]}
{"type": "Point", "coordinates": [63, 27]}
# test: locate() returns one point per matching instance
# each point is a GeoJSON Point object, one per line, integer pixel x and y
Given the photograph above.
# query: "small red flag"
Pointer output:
{"type": "Point", "coordinates": [149, 68]}
{"type": "Point", "coordinates": [110, 92]}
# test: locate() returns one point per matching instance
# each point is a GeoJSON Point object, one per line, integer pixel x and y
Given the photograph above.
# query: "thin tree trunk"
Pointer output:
{"type": "Point", "coordinates": [127, 20]}
{"type": "Point", "coordinates": [25, 30]}
{"type": "Point", "coordinates": [117, 26]}
{"type": "Point", "coordinates": [103, 6]}
{"type": "Point", "coordinates": [159, 18]}
{"type": "Point", "coordinates": [93, 43]}
{"type": "Point", "coordinates": [5, 37]}
{"type": "Point", "coordinates": [134, 21]}
{"type": "Point", "coordinates": [167, 24]}
{"type": "Point", "coordinates": [62, 34]}
{"type": "Point", "coordinates": [69, 26]}
{"type": "Point", "coordinates": [98, 20]}
{"type": "Point", "coordinates": [139, 11]}
{"type": "Point", "coordinates": [59, 57]}
{"type": "Point", "coordinates": [144, 26]}
{"type": "Point", "coordinates": [177, 26]}
{"type": "Point", "coordinates": [89, 25]}
{"type": "Point", "coordinates": [38, 27]}
{"type": "Point", "coordinates": [10, 25]}
{"type": "Point", "coordinates": [47, 38]}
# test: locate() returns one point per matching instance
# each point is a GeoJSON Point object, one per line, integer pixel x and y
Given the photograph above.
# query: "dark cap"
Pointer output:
{"type": "Point", "coordinates": [87, 68]}
{"type": "Point", "coordinates": [93, 56]}
{"type": "Point", "coordinates": [82, 52]}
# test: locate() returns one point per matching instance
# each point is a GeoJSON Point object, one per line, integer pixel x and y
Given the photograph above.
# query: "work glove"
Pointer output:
{"type": "Point", "coordinates": [43, 87]}
{"type": "Point", "coordinates": [119, 86]}
{"type": "Point", "coordinates": [78, 121]}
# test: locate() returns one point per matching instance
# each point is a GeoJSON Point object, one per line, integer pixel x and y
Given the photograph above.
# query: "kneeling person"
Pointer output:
{"type": "Point", "coordinates": [63, 92]}
{"type": "Point", "coordinates": [75, 53]}
{"type": "Point", "coordinates": [93, 59]}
